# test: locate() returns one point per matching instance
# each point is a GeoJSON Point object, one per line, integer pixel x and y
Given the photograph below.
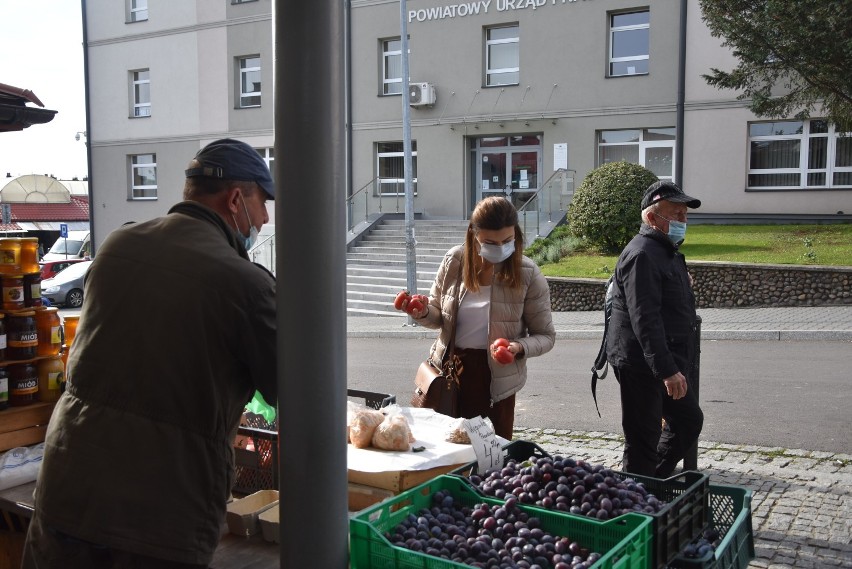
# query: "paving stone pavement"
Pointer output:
{"type": "Point", "coordinates": [802, 501]}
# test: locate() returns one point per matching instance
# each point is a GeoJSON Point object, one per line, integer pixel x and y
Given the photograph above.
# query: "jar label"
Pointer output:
{"type": "Point", "coordinates": [2, 341]}
{"type": "Point", "coordinates": [35, 290]}
{"type": "Point", "coordinates": [9, 257]}
{"type": "Point", "coordinates": [25, 386]}
{"type": "Point", "coordinates": [23, 339]}
{"type": "Point", "coordinates": [54, 335]}
{"type": "Point", "coordinates": [13, 294]}
{"type": "Point", "coordinates": [54, 380]}
{"type": "Point", "coordinates": [4, 389]}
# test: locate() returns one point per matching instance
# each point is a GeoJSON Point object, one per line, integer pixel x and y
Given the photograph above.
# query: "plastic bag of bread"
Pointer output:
{"type": "Point", "coordinates": [393, 433]}
{"type": "Point", "coordinates": [456, 432]}
{"type": "Point", "coordinates": [363, 426]}
{"type": "Point", "coordinates": [351, 409]}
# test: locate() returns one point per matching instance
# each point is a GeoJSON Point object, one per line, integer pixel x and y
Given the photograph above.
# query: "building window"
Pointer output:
{"type": "Point", "coordinates": [628, 43]}
{"type": "Point", "coordinates": [390, 160]}
{"type": "Point", "coordinates": [392, 67]}
{"type": "Point", "coordinates": [141, 84]}
{"type": "Point", "coordinates": [143, 177]}
{"type": "Point", "coordinates": [502, 56]}
{"type": "Point", "coordinates": [137, 10]}
{"type": "Point", "coordinates": [268, 155]}
{"type": "Point", "coordinates": [249, 81]}
{"type": "Point", "coordinates": [652, 148]}
{"type": "Point", "coordinates": [798, 154]}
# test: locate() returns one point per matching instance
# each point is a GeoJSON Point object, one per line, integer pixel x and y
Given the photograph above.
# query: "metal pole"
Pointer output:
{"type": "Point", "coordinates": [690, 461]}
{"type": "Point", "coordinates": [681, 95]}
{"type": "Point", "coordinates": [410, 243]}
{"type": "Point", "coordinates": [310, 174]}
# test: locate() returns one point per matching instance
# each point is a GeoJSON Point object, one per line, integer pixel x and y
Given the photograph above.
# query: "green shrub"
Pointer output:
{"type": "Point", "coordinates": [560, 243]}
{"type": "Point", "coordinates": [605, 211]}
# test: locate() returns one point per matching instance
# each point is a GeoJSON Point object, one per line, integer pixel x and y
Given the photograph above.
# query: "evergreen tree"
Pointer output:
{"type": "Point", "coordinates": [795, 56]}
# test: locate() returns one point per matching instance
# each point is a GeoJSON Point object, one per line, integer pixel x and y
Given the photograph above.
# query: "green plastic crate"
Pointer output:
{"type": "Point", "coordinates": [678, 522]}
{"type": "Point", "coordinates": [625, 543]}
{"type": "Point", "coordinates": [730, 515]}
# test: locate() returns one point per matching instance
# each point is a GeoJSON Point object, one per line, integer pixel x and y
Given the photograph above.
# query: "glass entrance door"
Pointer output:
{"type": "Point", "coordinates": [505, 165]}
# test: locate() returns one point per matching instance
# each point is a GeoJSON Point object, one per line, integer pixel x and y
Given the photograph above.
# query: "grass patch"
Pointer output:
{"type": "Point", "coordinates": [762, 244]}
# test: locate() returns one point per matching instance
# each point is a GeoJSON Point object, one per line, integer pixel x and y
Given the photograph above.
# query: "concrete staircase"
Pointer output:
{"type": "Point", "coordinates": [376, 264]}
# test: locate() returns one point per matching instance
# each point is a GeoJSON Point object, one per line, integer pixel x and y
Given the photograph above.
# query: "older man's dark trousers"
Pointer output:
{"type": "Point", "coordinates": [648, 449]}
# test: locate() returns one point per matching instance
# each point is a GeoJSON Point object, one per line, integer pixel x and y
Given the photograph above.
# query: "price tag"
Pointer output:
{"type": "Point", "coordinates": [489, 453]}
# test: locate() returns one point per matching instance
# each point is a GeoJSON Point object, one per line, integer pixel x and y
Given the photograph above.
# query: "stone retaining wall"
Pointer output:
{"type": "Point", "coordinates": [729, 285]}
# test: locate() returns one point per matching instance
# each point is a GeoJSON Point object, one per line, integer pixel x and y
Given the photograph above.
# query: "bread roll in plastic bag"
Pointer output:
{"type": "Point", "coordinates": [393, 434]}
{"type": "Point", "coordinates": [363, 426]}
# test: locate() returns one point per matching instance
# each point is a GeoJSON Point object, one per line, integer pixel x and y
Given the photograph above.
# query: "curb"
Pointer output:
{"type": "Point", "coordinates": [418, 333]}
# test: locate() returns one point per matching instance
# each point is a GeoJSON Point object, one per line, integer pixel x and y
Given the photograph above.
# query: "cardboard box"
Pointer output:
{"type": "Point", "coordinates": [269, 524]}
{"type": "Point", "coordinates": [242, 515]}
{"type": "Point", "coordinates": [24, 426]}
{"type": "Point", "coordinates": [361, 496]}
{"type": "Point", "coordinates": [399, 480]}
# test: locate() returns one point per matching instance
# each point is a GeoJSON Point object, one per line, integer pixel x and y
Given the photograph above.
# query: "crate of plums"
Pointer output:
{"type": "Point", "coordinates": [727, 541]}
{"type": "Point", "coordinates": [444, 523]}
{"type": "Point", "coordinates": [677, 506]}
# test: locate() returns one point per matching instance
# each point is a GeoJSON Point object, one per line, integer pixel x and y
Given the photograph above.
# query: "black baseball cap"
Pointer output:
{"type": "Point", "coordinates": [669, 191]}
{"type": "Point", "coordinates": [231, 159]}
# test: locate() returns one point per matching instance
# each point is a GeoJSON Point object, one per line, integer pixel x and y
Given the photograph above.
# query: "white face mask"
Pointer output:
{"type": "Point", "coordinates": [496, 253]}
{"type": "Point", "coordinates": [250, 239]}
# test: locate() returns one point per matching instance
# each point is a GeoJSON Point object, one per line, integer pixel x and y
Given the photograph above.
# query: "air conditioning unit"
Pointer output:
{"type": "Point", "coordinates": [421, 94]}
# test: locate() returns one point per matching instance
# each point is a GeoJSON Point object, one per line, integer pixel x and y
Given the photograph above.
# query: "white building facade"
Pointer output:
{"type": "Point", "coordinates": [505, 92]}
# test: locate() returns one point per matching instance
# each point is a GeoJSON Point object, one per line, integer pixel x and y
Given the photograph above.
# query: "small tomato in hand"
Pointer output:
{"type": "Point", "coordinates": [500, 342]}
{"type": "Point", "coordinates": [400, 299]}
{"type": "Point", "coordinates": [503, 355]}
{"type": "Point", "coordinates": [415, 305]}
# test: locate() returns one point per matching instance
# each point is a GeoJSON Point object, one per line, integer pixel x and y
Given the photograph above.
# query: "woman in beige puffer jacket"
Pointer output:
{"type": "Point", "coordinates": [502, 294]}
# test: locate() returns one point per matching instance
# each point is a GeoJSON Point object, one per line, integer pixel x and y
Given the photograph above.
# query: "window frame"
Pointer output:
{"type": "Point", "coordinates": [133, 9]}
{"type": "Point", "coordinates": [488, 43]}
{"type": "Point", "coordinates": [240, 73]}
{"type": "Point", "coordinates": [803, 170]}
{"type": "Point", "coordinates": [612, 30]}
{"type": "Point", "coordinates": [642, 145]}
{"type": "Point", "coordinates": [399, 180]}
{"type": "Point", "coordinates": [385, 54]}
{"type": "Point", "coordinates": [138, 105]}
{"type": "Point", "coordinates": [142, 189]}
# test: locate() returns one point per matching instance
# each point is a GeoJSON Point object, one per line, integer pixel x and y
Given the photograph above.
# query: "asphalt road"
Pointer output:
{"type": "Point", "coordinates": [793, 395]}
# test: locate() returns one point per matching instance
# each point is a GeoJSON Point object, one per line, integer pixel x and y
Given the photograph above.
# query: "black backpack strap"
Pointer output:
{"type": "Point", "coordinates": [600, 360]}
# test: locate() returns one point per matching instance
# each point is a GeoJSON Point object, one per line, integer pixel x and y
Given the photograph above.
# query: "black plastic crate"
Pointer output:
{"type": "Point", "coordinates": [681, 519]}
{"type": "Point", "coordinates": [730, 515]}
{"type": "Point", "coordinates": [256, 446]}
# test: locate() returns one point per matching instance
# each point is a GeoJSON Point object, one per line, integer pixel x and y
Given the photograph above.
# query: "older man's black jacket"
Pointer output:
{"type": "Point", "coordinates": [653, 311]}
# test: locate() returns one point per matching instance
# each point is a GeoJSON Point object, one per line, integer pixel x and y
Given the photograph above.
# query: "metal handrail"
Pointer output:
{"type": "Point", "coordinates": [558, 175]}
{"type": "Point", "coordinates": [350, 201]}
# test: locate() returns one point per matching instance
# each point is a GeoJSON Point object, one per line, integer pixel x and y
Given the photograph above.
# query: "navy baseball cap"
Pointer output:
{"type": "Point", "coordinates": [669, 191]}
{"type": "Point", "coordinates": [231, 159]}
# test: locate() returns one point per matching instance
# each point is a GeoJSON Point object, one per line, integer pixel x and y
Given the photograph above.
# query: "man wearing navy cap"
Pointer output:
{"type": "Point", "coordinates": [177, 332]}
{"type": "Point", "coordinates": [651, 341]}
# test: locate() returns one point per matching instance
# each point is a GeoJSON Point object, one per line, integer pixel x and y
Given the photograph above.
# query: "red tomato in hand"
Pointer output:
{"type": "Point", "coordinates": [503, 355]}
{"type": "Point", "coordinates": [400, 299]}
{"type": "Point", "coordinates": [415, 305]}
{"type": "Point", "coordinates": [500, 342]}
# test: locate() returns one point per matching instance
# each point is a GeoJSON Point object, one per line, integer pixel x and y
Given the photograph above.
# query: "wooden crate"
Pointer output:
{"type": "Point", "coordinates": [24, 426]}
{"type": "Point", "coordinates": [398, 480]}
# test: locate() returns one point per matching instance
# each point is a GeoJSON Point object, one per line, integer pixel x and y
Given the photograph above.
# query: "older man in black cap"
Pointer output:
{"type": "Point", "coordinates": [177, 333]}
{"type": "Point", "coordinates": [651, 340]}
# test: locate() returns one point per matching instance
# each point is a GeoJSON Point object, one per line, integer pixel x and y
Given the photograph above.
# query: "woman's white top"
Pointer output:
{"type": "Point", "coordinates": [472, 319]}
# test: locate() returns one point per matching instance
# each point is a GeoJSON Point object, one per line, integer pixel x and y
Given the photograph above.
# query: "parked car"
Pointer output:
{"type": "Point", "coordinates": [66, 288]}
{"type": "Point", "coordinates": [50, 269]}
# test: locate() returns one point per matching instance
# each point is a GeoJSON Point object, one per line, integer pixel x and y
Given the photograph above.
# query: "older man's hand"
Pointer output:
{"type": "Point", "coordinates": [676, 385]}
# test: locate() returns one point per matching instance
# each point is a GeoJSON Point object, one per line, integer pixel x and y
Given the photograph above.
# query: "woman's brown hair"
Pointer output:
{"type": "Point", "coordinates": [493, 214]}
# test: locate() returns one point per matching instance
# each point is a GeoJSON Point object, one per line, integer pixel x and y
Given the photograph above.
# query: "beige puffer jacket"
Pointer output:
{"type": "Point", "coordinates": [520, 315]}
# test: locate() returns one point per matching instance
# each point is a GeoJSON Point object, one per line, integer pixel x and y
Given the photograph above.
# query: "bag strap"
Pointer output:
{"type": "Point", "coordinates": [601, 361]}
{"type": "Point", "coordinates": [451, 346]}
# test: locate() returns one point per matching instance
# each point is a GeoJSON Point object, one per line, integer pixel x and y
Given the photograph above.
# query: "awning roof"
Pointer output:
{"type": "Point", "coordinates": [14, 112]}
